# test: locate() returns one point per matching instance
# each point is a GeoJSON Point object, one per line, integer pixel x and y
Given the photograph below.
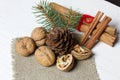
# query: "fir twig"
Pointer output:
{"type": "Point", "coordinates": [50, 18]}
{"type": "Point", "coordinates": [47, 15]}
{"type": "Point", "coordinates": [72, 19]}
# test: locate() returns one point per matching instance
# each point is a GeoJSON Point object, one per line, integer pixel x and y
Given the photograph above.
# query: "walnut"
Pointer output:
{"type": "Point", "coordinates": [65, 62]}
{"type": "Point", "coordinates": [38, 34]}
{"type": "Point", "coordinates": [25, 46]}
{"type": "Point", "coordinates": [45, 56]}
{"type": "Point", "coordinates": [40, 42]}
{"type": "Point", "coordinates": [81, 53]}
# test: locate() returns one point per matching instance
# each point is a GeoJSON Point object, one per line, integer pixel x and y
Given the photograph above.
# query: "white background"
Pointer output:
{"type": "Point", "coordinates": [17, 19]}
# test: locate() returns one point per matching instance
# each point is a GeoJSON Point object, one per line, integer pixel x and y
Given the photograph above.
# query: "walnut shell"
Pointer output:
{"type": "Point", "coordinates": [40, 42]}
{"type": "Point", "coordinates": [25, 46]}
{"type": "Point", "coordinates": [81, 53]}
{"type": "Point", "coordinates": [65, 62]}
{"type": "Point", "coordinates": [45, 56]}
{"type": "Point", "coordinates": [38, 33]}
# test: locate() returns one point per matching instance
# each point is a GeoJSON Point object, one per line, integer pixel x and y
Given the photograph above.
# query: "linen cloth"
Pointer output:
{"type": "Point", "coordinates": [27, 68]}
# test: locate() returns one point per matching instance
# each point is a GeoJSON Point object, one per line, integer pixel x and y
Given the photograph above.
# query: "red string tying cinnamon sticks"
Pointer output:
{"type": "Point", "coordinates": [91, 27]}
{"type": "Point", "coordinates": [85, 18]}
{"type": "Point", "coordinates": [108, 36]}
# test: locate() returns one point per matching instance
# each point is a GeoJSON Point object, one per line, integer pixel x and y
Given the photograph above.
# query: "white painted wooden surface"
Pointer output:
{"type": "Point", "coordinates": [16, 20]}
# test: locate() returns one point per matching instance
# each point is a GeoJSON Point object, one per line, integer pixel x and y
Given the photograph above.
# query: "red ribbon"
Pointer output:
{"type": "Point", "coordinates": [85, 18]}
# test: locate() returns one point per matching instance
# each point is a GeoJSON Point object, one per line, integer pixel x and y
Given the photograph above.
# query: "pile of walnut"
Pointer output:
{"type": "Point", "coordinates": [44, 55]}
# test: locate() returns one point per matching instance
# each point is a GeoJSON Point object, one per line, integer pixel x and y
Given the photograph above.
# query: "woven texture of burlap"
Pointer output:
{"type": "Point", "coordinates": [26, 68]}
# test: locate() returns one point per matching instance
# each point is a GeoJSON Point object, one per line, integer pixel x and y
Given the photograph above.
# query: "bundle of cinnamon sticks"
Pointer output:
{"type": "Point", "coordinates": [99, 30]}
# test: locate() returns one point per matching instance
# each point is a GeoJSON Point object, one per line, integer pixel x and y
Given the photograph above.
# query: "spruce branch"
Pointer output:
{"type": "Point", "coordinates": [47, 15]}
{"type": "Point", "coordinates": [72, 19]}
{"type": "Point", "coordinates": [50, 18]}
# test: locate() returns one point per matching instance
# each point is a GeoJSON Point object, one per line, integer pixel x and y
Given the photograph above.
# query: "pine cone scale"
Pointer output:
{"type": "Point", "coordinates": [60, 40]}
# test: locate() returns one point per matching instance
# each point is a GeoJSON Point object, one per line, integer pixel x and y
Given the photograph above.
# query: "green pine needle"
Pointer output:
{"type": "Point", "coordinates": [72, 19]}
{"type": "Point", "coordinates": [47, 16]}
{"type": "Point", "coordinates": [50, 18]}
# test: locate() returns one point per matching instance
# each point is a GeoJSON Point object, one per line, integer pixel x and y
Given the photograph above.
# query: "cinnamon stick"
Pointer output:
{"type": "Point", "coordinates": [105, 37]}
{"type": "Point", "coordinates": [98, 33]}
{"type": "Point", "coordinates": [108, 39]}
{"type": "Point", "coordinates": [63, 10]}
{"type": "Point", "coordinates": [60, 9]}
{"type": "Point", "coordinates": [111, 30]}
{"type": "Point", "coordinates": [92, 26]}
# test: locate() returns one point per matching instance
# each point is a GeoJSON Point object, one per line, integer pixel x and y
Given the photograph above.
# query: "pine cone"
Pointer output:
{"type": "Point", "coordinates": [60, 40]}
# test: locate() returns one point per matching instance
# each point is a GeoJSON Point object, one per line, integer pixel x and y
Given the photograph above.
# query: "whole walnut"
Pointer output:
{"type": "Point", "coordinates": [38, 35]}
{"type": "Point", "coordinates": [25, 46]}
{"type": "Point", "coordinates": [45, 56]}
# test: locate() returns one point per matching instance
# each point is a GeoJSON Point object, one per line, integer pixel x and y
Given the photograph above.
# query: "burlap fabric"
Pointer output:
{"type": "Point", "coordinates": [26, 68]}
